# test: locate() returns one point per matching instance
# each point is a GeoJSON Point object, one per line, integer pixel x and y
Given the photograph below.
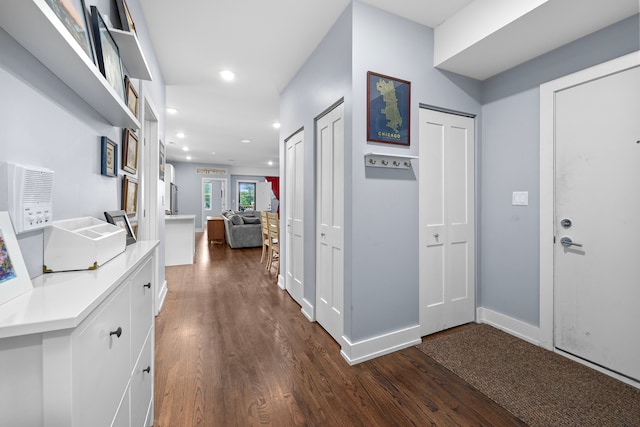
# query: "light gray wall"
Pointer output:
{"type": "Point", "coordinates": [190, 187]}
{"type": "Point", "coordinates": [509, 280]}
{"type": "Point", "coordinates": [324, 79]}
{"type": "Point", "coordinates": [46, 124]}
{"type": "Point", "coordinates": [383, 282]}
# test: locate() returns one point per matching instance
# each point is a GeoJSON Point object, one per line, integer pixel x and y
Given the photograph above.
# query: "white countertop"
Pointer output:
{"type": "Point", "coordinates": [63, 300]}
{"type": "Point", "coordinates": [179, 217]}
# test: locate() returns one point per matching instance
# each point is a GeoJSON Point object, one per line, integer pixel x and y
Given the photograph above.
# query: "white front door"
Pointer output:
{"type": "Point", "coordinates": [294, 185]}
{"type": "Point", "coordinates": [597, 207]}
{"type": "Point", "coordinates": [446, 212]}
{"type": "Point", "coordinates": [330, 222]}
{"type": "Point", "coordinates": [263, 196]}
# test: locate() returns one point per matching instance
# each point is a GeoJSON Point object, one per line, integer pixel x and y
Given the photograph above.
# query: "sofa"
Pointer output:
{"type": "Point", "coordinates": [242, 229]}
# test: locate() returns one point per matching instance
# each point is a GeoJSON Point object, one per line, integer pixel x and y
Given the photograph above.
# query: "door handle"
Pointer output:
{"type": "Point", "coordinates": [567, 242]}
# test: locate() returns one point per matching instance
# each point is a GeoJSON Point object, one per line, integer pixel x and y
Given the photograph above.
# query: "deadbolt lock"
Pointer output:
{"type": "Point", "coordinates": [566, 223]}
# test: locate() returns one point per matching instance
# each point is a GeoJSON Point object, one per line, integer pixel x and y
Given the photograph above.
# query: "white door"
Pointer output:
{"type": "Point", "coordinates": [330, 222]}
{"type": "Point", "coordinates": [446, 212]}
{"type": "Point", "coordinates": [263, 196]}
{"type": "Point", "coordinates": [294, 185]}
{"type": "Point", "coordinates": [597, 274]}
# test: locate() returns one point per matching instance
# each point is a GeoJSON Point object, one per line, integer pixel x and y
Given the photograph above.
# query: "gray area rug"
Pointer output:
{"type": "Point", "coordinates": [536, 385]}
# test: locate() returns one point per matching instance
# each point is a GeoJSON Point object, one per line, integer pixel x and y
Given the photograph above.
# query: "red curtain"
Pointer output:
{"type": "Point", "coordinates": [275, 187]}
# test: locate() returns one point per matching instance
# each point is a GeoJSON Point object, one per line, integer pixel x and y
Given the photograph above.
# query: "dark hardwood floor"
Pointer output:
{"type": "Point", "coordinates": [233, 349]}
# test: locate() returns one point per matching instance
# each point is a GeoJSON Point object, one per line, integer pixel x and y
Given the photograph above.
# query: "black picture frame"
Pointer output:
{"type": "Point", "coordinates": [120, 219]}
{"type": "Point", "coordinates": [388, 109]}
{"type": "Point", "coordinates": [109, 158]}
{"type": "Point", "coordinates": [126, 22]}
{"type": "Point", "coordinates": [107, 54]}
{"type": "Point", "coordinates": [68, 13]}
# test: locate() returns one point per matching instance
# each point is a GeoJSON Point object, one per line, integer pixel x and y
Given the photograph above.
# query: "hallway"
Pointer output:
{"type": "Point", "coordinates": [233, 349]}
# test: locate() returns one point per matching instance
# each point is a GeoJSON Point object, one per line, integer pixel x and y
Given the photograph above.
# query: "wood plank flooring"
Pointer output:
{"type": "Point", "coordinates": [232, 349]}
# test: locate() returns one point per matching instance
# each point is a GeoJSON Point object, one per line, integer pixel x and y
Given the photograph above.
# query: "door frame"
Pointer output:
{"type": "Point", "coordinates": [225, 198]}
{"type": "Point", "coordinates": [288, 286]}
{"type": "Point", "coordinates": [547, 184]}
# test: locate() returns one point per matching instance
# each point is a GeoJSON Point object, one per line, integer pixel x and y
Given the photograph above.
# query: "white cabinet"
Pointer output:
{"type": "Point", "coordinates": [94, 337]}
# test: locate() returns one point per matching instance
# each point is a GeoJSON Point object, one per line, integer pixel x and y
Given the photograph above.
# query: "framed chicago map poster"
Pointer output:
{"type": "Point", "coordinates": [388, 109]}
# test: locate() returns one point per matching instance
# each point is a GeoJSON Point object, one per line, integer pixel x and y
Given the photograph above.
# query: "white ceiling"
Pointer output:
{"type": "Point", "coordinates": [265, 43]}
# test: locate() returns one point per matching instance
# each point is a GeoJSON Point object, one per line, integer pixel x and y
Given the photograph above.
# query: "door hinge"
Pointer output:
{"type": "Point", "coordinates": [554, 240]}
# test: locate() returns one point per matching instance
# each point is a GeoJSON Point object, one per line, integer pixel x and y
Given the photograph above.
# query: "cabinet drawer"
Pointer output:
{"type": "Point", "coordinates": [101, 360]}
{"type": "Point", "coordinates": [141, 285]}
{"type": "Point", "coordinates": [142, 386]}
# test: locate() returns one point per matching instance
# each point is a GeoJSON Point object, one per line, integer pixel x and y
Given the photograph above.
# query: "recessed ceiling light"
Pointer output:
{"type": "Point", "coordinates": [180, 135]}
{"type": "Point", "coordinates": [245, 140]}
{"type": "Point", "coordinates": [172, 110]}
{"type": "Point", "coordinates": [227, 75]}
{"type": "Point", "coordinates": [270, 162]}
{"type": "Point", "coordinates": [185, 148]}
{"type": "Point", "coordinates": [276, 125]}
{"type": "Point", "coordinates": [213, 152]}
{"type": "Point", "coordinates": [188, 157]}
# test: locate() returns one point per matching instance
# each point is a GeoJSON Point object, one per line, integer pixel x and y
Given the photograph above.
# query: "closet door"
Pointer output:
{"type": "Point", "coordinates": [294, 187]}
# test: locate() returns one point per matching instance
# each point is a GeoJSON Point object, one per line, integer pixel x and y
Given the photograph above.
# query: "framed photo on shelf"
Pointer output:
{"type": "Point", "coordinates": [132, 96]}
{"type": "Point", "coordinates": [129, 151]}
{"type": "Point", "coordinates": [74, 16]}
{"type": "Point", "coordinates": [109, 163]}
{"type": "Point", "coordinates": [14, 277]}
{"type": "Point", "coordinates": [121, 219]}
{"type": "Point", "coordinates": [130, 195]}
{"type": "Point", "coordinates": [388, 109]}
{"type": "Point", "coordinates": [107, 53]}
{"type": "Point", "coordinates": [126, 21]}
{"type": "Point", "coordinates": [161, 160]}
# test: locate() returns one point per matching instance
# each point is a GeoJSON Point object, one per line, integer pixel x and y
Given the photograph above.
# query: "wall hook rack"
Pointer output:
{"type": "Point", "coordinates": [389, 161]}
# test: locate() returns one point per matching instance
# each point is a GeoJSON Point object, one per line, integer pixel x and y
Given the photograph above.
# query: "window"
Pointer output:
{"type": "Point", "coordinates": [207, 196]}
{"type": "Point", "coordinates": [247, 196]}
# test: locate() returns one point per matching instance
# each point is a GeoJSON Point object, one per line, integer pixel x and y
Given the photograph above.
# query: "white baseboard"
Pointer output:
{"type": "Point", "coordinates": [371, 348]}
{"type": "Point", "coordinates": [308, 310]}
{"type": "Point", "coordinates": [509, 325]}
{"type": "Point", "coordinates": [163, 294]}
{"type": "Point", "coordinates": [281, 283]}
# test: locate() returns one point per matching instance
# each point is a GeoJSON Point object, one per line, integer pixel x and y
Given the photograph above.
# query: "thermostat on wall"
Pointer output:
{"type": "Point", "coordinates": [30, 191]}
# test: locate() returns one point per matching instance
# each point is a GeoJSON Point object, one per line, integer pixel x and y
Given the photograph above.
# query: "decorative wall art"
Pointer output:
{"type": "Point", "coordinates": [388, 109]}
{"type": "Point", "coordinates": [107, 53]}
{"type": "Point", "coordinates": [109, 163]}
{"type": "Point", "coordinates": [120, 219]}
{"type": "Point", "coordinates": [14, 277]}
{"type": "Point", "coordinates": [129, 151]}
{"type": "Point", "coordinates": [132, 96]}
{"type": "Point", "coordinates": [126, 21]}
{"type": "Point", "coordinates": [130, 195]}
{"type": "Point", "coordinates": [74, 16]}
{"type": "Point", "coordinates": [162, 161]}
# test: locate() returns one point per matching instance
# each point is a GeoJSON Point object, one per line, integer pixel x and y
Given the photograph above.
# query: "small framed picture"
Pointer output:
{"type": "Point", "coordinates": [132, 96]}
{"type": "Point", "coordinates": [161, 160]}
{"type": "Point", "coordinates": [121, 219]}
{"type": "Point", "coordinates": [129, 151]}
{"type": "Point", "coordinates": [107, 53]}
{"type": "Point", "coordinates": [74, 16]}
{"type": "Point", "coordinates": [109, 164]}
{"type": "Point", "coordinates": [130, 195]}
{"type": "Point", "coordinates": [14, 277]}
{"type": "Point", "coordinates": [126, 21]}
{"type": "Point", "coordinates": [388, 109]}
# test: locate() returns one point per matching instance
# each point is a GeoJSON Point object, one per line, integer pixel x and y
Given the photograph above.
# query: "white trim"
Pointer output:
{"type": "Point", "coordinates": [547, 171]}
{"type": "Point", "coordinates": [515, 327]}
{"type": "Point", "coordinates": [308, 310]}
{"type": "Point", "coordinates": [600, 369]}
{"type": "Point", "coordinates": [371, 348]}
{"type": "Point", "coordinates": [225, 201]}
{"type": "Point", "coordinates": [281, 284]}
{"type": "Point", "coordinates": [162, 295]}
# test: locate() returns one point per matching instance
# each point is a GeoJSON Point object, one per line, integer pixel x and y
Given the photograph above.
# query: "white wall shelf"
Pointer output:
{"type": "Point", "coordinates": [131, 53]}
{"type": "Point", "coordinates": [389, 161]}
{"type": "Point", "coordinates": [36, 27]}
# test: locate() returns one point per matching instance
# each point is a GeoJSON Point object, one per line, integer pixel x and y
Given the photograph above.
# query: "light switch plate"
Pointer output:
{"type": "Point", "coordinates": [520, 198]}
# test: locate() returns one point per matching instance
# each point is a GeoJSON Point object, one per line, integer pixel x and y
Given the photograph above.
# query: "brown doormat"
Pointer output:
{"type": "Point", "coordinates": [538, 386]}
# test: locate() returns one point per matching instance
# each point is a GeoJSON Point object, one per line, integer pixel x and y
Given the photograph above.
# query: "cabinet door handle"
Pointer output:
{"type": "Point", "coordinates": [148, 285]}
{"type": "Point", "coordinates": [147, 370]}
{"type": "Point", "coordinates": [117, 332]}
